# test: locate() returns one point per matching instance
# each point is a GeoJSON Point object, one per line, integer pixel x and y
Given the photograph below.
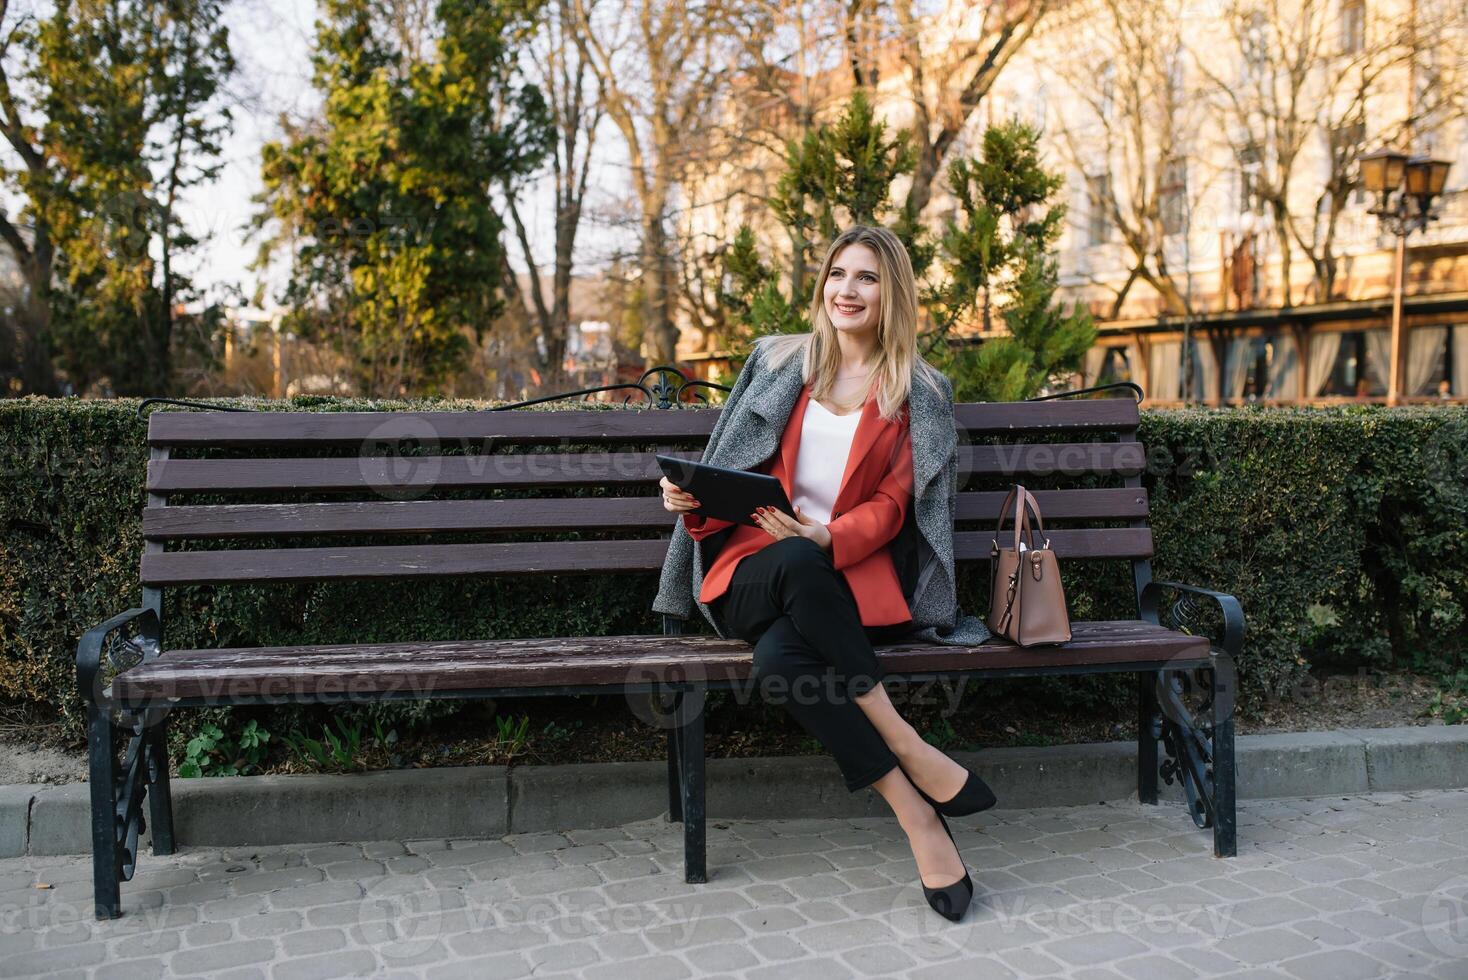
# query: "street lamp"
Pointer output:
{"type": "Point", "coordinates": [1404, 188]}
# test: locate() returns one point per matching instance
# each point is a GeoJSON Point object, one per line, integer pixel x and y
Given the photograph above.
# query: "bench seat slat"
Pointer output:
{"type": "Point", "coordinates": [524, 557]}
{"type": "Point", "coordinates": [423, 668]}
{"type": "Point", "coordinates": [643, 513]}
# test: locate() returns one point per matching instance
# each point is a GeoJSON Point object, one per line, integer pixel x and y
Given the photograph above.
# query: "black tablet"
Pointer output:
{"type": "Point", "coordinates": [729, 495]}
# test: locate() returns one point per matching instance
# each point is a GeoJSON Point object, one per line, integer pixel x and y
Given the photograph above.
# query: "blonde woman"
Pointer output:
{"type": "Point", "coordinates": [859, 430]}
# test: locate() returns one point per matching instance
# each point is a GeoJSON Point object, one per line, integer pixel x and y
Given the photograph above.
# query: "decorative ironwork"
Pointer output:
{"type": "Point", "coordinates": [663, 393]}
{"type": "Point", "coordinates": [187, 404]}
{"type": "Point", "coordinates": [1194, 706]}
{"type": "Point", "coordinates": [1187, 736]}
{"type": "Point", "coordinates": [1136, 388]}
{"type": "Point", "coordinates": [124, 651]}
{"type": "Point", "coordinates": [1185, 615]}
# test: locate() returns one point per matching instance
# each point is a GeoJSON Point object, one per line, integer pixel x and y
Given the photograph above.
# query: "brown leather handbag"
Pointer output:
{"type": "Point", "coordinates": [1026, 600]}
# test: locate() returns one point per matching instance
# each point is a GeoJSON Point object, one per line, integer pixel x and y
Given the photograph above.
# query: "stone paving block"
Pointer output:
{"type": "Point", "coordinates": [352, 963]}
{"type": "Point", "coordinates": [309, 942]}
{"type": "Point", "coordinates": [1262, 946]}
{"type": "Point", "coordinates": [1153, 966]}
{"type": "Point", "coordinates": [1335, 964]}
{"type": "Point", "coordinates": [721, 958]}
{"type": "Point", "coordinates": [220, 956]}
{"type": "Point", "coordinates": [1276, 910]}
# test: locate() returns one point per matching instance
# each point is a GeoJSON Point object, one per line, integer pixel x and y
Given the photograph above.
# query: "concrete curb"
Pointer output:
{"type": "Point", "coordinates": [488, 801]}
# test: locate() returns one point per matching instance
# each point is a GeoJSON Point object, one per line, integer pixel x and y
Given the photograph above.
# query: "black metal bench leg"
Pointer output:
{"type": "Point", "coordinates": [1147, 733]}
{"type": "Point", "coordinates": [1225, 817]}
{"type": "Point", "coordinates": [160, 798]}
{"type": "Point", "coordinates": [102, 773]}
{"type": "Point", "coordinates": [690, 717]}
{"type": "Point", "coordinates": [675, 790]}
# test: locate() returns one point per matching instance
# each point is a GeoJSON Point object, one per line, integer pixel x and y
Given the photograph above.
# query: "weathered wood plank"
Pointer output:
{"type": "Point", "coordinates": [208, 429]}
{"type": "Point", "coordinates": [526, 558]}
{"type": "Point", "coordinates": [424, 669]}
{"type": "Point", "coordinates": [601, 513]}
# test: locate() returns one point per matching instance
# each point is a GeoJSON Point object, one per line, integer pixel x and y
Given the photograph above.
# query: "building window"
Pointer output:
{"type": "Point", "coordinates": [1349, 364]}
{"type": "Point", "coordinates": [1255, 44]}
{"type": "Point", "coordinates": [1098, 194]}
{"type": "Point", "coordinates": [1437, 362]}
{"type": "Point", "coordinates": [1251, 201]}
{"type": "Point", "coordinates": [1116, 366]}
{"type": "Point", "coordinates": [1168, 377]}
{"type": "Point", "coordinates": [1172, 196]}
{"type": "Point", "coordinates": [1353, 26]}
{"type": "Point", "coordinates": [1264, 367]}
{"type": "Point", "coordinates": [1346, 141]}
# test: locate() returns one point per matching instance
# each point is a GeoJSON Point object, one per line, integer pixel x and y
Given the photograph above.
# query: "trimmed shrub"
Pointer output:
{"type": "Point", "coordinates": [1342, 531]}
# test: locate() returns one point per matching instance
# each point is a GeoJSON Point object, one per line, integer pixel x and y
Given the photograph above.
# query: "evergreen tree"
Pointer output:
{"type": "Point", "coordinates": [113, 115]}
{"type": "Point", "coordinates": [1001, 254]}
{"type": "Point", "coordinates": [998, 256]}
{"type": "Point", "coordinates": [398, 258]}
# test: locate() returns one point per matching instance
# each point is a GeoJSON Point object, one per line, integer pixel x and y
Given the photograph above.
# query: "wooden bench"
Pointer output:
{"type": "Point", "coordinates": [253, 468]}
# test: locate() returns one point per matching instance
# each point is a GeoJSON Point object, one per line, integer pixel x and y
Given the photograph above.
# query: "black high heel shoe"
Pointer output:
{"type": "Point", "coordinates": [951, 901]}
{"type": "Point", "coordinates": [974, 797]}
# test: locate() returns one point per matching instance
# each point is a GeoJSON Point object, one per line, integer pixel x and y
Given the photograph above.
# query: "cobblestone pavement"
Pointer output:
{"type": "Point", "coordinates": [1331, 888]}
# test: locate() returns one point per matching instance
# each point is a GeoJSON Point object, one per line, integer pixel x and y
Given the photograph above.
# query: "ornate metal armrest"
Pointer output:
{"type": "Point", "coordinates": [126, 640]}
{"type": "Point", "coordinates": [1184, 612]}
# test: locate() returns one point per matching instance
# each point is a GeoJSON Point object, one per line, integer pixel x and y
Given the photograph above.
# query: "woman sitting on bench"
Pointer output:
{"type": "Point", "coordinates": [813, 593]}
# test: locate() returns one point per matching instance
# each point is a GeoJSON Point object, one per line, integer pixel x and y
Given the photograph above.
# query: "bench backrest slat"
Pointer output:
{"type": "Point", "coordinates": [243, 429]}
{"type": "Point", "coordinates": [182, 522]}
{"type": "Point", "coordinates": [442, 560]}
{"type": "Point", "coordinates": [394, 474]}
{"type": "Point", "coordinates": [274, 484]}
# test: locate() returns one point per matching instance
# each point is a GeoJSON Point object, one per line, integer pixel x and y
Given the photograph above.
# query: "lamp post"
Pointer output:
{"type": "Point", "coordinates": [1404, 187]}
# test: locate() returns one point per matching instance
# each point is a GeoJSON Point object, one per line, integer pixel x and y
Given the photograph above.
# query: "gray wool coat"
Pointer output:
{"type": "Point", "coordinates": [747, 432]}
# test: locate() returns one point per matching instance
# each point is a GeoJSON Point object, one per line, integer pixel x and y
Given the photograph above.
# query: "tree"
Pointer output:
{"type": "Point", "coordinates": [397, 257]}
{"type": "Point", "coordinates": [575, 114]}
{"type": "Point", "coordinates": [1129, 137]}
{"type": "Point", "coordinates": [843, 173]}
{"type": "Point", "coordinates": [111, 112]}
{"type": "Point", "coordinates": [947, 85]}
{"type": "Point", "coordinates": [659, 81]}
{"type": "Point", "coordinates": [1004, 246]}
{"type": "Point", "coordinates": [1304, 80]}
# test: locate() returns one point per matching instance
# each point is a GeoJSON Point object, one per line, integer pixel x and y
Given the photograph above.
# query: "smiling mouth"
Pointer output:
{"type": "Point", "coordinates": [849, 310]}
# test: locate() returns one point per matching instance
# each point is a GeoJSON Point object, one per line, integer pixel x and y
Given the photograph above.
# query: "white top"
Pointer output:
{"type": "Point", "coordinates": [825, 444]}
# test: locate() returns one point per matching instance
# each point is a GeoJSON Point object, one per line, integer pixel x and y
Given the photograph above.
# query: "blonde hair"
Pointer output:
{"type": "Point", "coordinates": [896, 357]}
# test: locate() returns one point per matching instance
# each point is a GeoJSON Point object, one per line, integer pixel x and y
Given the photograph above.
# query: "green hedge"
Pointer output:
{"type": "Point", "coordinates": [1342, 531]}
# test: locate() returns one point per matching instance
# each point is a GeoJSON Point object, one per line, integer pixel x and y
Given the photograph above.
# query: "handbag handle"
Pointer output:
{"type": "Point", "coordinates": [1024, 505]}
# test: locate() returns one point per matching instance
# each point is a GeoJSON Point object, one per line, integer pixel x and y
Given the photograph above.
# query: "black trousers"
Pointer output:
{"type": "Point", "coordinates": [811, 652]}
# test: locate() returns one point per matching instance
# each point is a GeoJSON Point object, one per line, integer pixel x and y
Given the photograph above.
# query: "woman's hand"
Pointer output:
{"type": "Point", "coordinates": [676, 500]}
{"type": "Point", "coordinates": [781, 525]}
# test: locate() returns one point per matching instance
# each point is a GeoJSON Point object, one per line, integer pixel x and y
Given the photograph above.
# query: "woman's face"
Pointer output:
{"type": "Point", "coordinates": [853, 290]}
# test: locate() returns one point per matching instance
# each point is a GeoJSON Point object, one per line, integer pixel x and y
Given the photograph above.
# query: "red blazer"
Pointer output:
{"type": "Point", "coordinates": [876, 491]}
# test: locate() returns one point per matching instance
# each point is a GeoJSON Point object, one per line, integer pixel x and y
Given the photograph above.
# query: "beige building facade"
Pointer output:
{"type": "Point", "coordinates": [1216, 227]}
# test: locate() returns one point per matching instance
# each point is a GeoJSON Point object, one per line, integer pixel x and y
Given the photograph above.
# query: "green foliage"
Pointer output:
{"type": "Point", "coordinates": [512, 732]}
{"type": "Point", "coordinates": [397, 257]}
{"type": "Point", "coordinates": [1344, 532]}
{"type": "Point", "coordinates": [339, 750]}
{"type": "Point", "coordinates": [996, 253]}
{"type": "Point", "coordinates": [1451, 702]}
{"type": "Point", "coordinates": [116, 112]}
{"type": "Point", "coordinates": [1003, 247]}
{"type": "Point", "coordinates": [212, 753]}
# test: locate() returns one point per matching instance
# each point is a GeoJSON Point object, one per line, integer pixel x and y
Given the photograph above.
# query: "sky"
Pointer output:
{"type": "Point", "coordinates": [272, 41]}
